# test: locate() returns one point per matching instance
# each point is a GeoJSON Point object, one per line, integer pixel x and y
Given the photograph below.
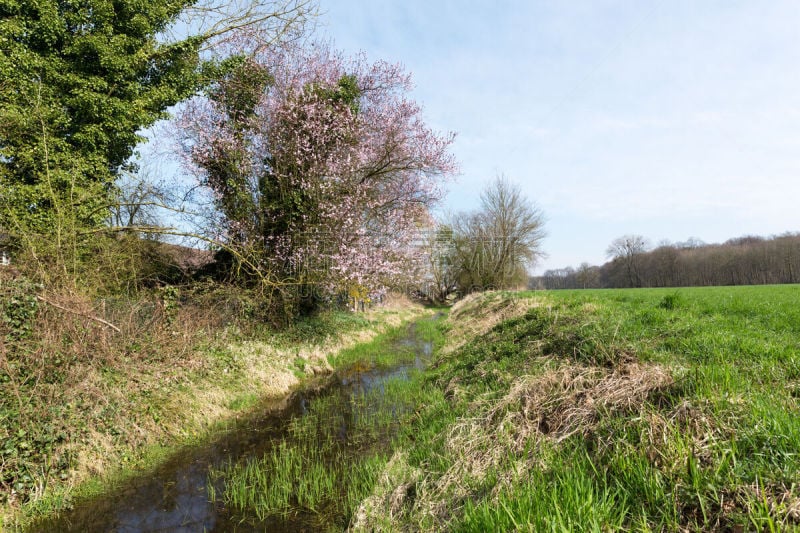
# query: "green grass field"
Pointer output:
{"type": "Point", "coordinates": [653, 410]}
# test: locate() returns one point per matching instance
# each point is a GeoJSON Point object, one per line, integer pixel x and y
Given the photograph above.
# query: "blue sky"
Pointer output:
{"type": "Point", "coordinates": [669, 119]}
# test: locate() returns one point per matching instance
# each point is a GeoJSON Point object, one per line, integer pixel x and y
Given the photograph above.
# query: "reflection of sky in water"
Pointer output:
{"type": "Point", "coordinates": [176, 499]}
{"type": "Point", "coordinates": [184, 507]}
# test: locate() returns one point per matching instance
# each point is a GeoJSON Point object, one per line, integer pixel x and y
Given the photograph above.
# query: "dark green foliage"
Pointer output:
{"type": "Point", "coordinates": [236, 93]}
{"type": "Point", "coordinates": [19, 307]}
{"type": "Point", "coordinates": [169, 302]}
{"type": "Point", "coordinates": [346, 93]}
{"type": "Point", "coordinates": [81, 78]}
{"type": "Point", "coordinates": [239, 86]}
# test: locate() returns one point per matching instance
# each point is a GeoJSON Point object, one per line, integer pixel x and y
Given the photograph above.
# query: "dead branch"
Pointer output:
{"type": "Point", "coordinates": [74, 312]}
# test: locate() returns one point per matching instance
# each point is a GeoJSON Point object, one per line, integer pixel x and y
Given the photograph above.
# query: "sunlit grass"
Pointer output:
{"type": "Point", "coordinates": [717, 448]}
{"type": "Point", "coordinates": [567, 497]}
{"type": "Point", "coordinates": [318, 480]}
{"type": "Point", "coordinates": [330, 458]}
{"type": "Point", "coordinates": [387, 350]}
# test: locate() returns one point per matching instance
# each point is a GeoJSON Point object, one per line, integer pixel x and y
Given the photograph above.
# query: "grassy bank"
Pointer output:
{"type": "Point", "coordinates": [598, 410]}
{"type": "Point", "coordinates": [85, 406]}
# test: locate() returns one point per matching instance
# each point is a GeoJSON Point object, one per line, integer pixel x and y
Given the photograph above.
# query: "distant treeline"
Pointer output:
{"type": "Point", "coordinates": [742, 261]}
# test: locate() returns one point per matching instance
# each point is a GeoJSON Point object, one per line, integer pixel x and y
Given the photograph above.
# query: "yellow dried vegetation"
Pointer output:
{"type": "Point", "coordinates": [561, 402]}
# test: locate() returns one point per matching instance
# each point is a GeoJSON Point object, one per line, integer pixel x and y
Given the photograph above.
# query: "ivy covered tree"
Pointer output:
{"type": "Point", "coordinates": [80, 79]}
{"type": "Point", "coordinates": [321, 169]}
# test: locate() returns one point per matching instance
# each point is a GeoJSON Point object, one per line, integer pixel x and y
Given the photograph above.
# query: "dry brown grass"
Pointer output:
{"type": "Point", "coordinates": [782, 501]}
{"type": "Point", "coordinates": [567, 400]}
{"type": "Point", "coordinates": [394, 492]}
{"type": "Point", "coordinates": [686, 423]}
{"type": "Point", "coordinates": [83, 383]}
{"type": "Point", "coordinates": [571, 398]}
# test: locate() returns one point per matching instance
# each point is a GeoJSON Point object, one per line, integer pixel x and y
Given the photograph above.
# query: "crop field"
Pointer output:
{"type": "Point", "coordinates": [642, 409]}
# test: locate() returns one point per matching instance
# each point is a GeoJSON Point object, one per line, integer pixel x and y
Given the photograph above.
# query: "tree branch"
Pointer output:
{"type": "Point", "coordinates": [91, 317]}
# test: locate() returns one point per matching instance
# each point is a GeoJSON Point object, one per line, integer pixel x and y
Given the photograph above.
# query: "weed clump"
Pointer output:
{"type": "Point", "coordinates": [672, 301]}
{"type": "Point", "coordinates": [571, 399]}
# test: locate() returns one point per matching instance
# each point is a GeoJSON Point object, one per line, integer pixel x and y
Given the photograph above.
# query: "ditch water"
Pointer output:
{"type": "Point", "coordinates": [177, 496]}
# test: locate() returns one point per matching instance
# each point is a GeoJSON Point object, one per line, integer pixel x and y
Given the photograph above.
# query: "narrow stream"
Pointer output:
{"type": "Point", "coordinates": [177, 498]}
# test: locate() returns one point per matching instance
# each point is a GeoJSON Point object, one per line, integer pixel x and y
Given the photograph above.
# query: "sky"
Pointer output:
{"type": "Point", "coordinates": [669, 119]}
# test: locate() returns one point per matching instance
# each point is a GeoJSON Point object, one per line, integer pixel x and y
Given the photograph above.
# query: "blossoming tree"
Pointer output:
{"type": "Point", "coordinates": [321, 169]}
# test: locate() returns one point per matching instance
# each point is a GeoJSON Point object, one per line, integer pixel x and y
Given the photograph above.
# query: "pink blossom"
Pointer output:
{"type": "Point", "coordinates": [365, 172]}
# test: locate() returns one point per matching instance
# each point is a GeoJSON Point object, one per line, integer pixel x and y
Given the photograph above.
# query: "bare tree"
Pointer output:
{"type": "Point", "coordinates": [242, 25]}
{"type": "Point", "coordinates": [495, 246]}
{"type": "Point", "coordinates": [587, 276]}
{"type": "Point", "coordinates": [627, 250]}
{"type": "Point", "coordinates": [142, 201]}
{"type": "Point", "coordinates": [439, 255]}
{"type": "Point", "coordinates": [747, 260]}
